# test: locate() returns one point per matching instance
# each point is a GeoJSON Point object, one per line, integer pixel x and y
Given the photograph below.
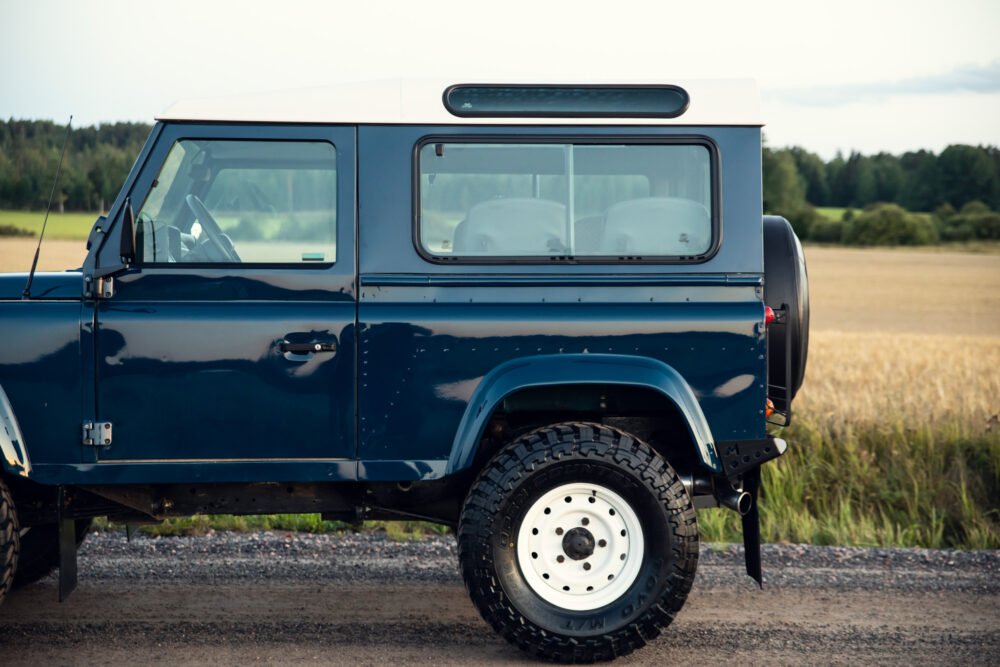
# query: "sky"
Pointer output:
{"type": "Point", "coordinates": [834, 76]}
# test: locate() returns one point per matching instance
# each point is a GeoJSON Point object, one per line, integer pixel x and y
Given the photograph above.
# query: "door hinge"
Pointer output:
{"type": "Point", "coordinates": [97, 434]}
{"type": "Point", "coordinates": [105, 287]}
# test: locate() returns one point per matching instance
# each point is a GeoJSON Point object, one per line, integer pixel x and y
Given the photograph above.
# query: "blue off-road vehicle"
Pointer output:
{"type": "Point", "coordinates": [549, 316]}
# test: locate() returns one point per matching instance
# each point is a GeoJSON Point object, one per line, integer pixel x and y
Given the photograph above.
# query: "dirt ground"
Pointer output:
{"type": "Point", "coordinates": [436, 624]}
{"type": "Point", "coordinates": [895, 291]}
{"type": "Point", "coordinates": [56, 254]}
{"type": "Point", "coordinates": [232, 599]}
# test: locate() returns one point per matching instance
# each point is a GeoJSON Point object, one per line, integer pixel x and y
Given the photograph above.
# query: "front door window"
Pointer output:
{"type": "Point", "coordinates": [250, 202]}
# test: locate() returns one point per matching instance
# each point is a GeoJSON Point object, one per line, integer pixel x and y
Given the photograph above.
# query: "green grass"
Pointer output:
{"type": "Point", "coordinates": [831, 212]}
{"type": "Point", "coordinates": [400, 531]}
{"type": "Point", "coordinates": [73, 226]}
{"type": "Point", "coordinates": [892, 484]}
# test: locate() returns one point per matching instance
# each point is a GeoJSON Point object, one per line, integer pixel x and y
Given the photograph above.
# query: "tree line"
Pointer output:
{"type": "Point", "coordinates": [956, 192]}
{"type": "Point", "coordinates": [97, 161]}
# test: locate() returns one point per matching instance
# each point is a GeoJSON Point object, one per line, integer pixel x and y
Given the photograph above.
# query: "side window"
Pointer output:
{"type": "Point", "coordinates": [565, 200]}
{"type": "Point", "coordinates": [252, 202]}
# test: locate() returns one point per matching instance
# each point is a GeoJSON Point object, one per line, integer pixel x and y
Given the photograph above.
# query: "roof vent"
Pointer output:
{"type": "Point", "coordinates": [565, 101]}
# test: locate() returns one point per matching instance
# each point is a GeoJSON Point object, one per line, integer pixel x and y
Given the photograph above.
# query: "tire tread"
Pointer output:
{"type": "Point", "coordinates": [508, 469]}
{"type": "Point", "coordinates": [10, 532]}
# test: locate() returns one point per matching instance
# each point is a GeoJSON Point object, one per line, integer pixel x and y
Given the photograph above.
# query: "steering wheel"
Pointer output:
{"type": "Point", "coordinates": [211, 228]}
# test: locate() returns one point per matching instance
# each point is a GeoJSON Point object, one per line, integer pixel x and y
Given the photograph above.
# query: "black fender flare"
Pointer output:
{"type": "Point", "coordinates": [566, 369]}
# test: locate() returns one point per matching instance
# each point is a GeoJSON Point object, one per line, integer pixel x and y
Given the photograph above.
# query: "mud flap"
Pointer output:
{"type": "Point", "coordinates": [67, 550]}
{"type": "Point", "coordinates": [751, 527]}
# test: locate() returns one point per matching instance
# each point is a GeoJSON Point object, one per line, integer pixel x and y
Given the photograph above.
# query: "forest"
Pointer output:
{"type": "Point", "coordinates": [917, 198]}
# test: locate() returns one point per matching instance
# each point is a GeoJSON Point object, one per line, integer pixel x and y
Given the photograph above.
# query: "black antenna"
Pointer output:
{"type": "Point", "coordinates": [26, 294]}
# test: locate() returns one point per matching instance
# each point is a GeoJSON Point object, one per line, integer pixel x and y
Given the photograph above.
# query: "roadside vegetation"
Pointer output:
{"type": "Point", "coordinates": [73, 226]}
{"type": "Point", "coordinates": [895, 442]}
{"type": "Point", "coordinates": [399, 531]}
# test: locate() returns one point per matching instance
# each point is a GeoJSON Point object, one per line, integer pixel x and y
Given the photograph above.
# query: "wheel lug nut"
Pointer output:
{"type": "Point", "coordinates": [560, 559]}
{"type": "Point", "coordinates": [559, 531]}
{"type": "Point", "coordinates": [584, 521]}
{"type": "Point", "coordinates": [602, 543]}
{"type": "Point", "coordinates": [586, 566]}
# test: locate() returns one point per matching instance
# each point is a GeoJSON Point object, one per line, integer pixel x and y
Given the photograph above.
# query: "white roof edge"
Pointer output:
{"type": "Point", "coordinates": [420, 101]}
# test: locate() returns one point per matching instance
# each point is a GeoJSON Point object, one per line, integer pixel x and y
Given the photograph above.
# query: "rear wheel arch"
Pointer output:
{"type": "Point", "coordinates": [639, 410]}
{"type": "Point", "coordinates": [571, 387]}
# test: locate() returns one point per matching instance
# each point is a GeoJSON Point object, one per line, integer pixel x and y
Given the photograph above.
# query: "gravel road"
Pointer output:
{"type": "Point", "coordinates": [232, 599]}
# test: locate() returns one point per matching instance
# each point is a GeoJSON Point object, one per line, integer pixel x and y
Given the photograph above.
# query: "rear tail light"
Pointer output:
{"type": "Point", "coordinates": [769, 315]}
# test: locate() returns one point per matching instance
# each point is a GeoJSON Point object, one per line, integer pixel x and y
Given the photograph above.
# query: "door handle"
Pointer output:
{"type": "Point", "coordinates": [306, 348]}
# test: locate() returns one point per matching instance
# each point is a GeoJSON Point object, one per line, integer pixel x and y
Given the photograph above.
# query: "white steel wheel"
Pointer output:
{"type": "Point", "coordinates": [580, 546]}
{"type": "Point", "coordinates": [578, 543]}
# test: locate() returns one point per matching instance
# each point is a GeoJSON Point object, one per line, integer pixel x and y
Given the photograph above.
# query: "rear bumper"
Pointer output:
{"type": "Point", "coordinates": [741, 456]}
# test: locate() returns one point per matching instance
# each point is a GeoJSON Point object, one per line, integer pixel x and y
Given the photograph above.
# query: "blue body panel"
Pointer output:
{"type": "Point", "coordinates": [429, 333]}
{"type": "Point", "coordinates": [64, 285]}
{"type": "Point", "coordinates": [427, 352]}
{"type": "Point", "coordinates": [184, 360]}
{"type": "Point", "coordinates": [188, 360]}
{"type": "Point", "coordinates": [41, 371]}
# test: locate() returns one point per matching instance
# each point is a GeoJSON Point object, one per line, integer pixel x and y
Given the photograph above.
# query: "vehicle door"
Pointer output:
{"type": "Point", "coordinates": [230, 340]}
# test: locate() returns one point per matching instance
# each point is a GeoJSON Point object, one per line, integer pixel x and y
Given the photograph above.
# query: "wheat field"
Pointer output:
{"type": "Point", "coordinates": [911, 336]}
{"type": "Point", "coordinates": [896, 435]}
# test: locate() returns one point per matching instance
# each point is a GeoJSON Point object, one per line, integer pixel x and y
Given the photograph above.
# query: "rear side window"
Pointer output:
{"type": "Point", "coordinates": [249, 202]}
{"type": "Point", "coordinates": [544, 201]}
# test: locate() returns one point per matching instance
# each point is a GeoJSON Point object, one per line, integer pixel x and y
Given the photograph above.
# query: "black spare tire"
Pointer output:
{"type": "Point", "coordinates": [786, 283]}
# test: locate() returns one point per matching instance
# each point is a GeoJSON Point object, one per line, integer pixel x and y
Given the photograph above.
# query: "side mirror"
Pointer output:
{"type": "Point", "coordinates": [127, 246]}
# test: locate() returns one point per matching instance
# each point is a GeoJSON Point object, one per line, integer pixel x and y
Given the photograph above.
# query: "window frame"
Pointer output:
{"type": "Point", "coordinates": [249, 265]}
{"type": "Point", "coordinates": [715, 198]}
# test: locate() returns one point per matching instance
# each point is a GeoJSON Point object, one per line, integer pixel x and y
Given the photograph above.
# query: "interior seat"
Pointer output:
{"type": "Point", "coordinates": [514, 226]}
{"type": "Point", "coordinates": [651, 226]}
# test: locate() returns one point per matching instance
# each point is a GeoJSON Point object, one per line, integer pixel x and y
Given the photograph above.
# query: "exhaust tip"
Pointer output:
{"type": "Point", "coordinates": [738, 501]}
{"type": "Point", "coordinates": [744, 502]}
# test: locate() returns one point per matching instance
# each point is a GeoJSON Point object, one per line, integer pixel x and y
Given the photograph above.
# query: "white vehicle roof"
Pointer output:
{"type": "Point", "coordinates": [420, 102]}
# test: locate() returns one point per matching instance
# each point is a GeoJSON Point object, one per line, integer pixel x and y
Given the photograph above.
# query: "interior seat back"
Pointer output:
{"type": "Point", "coordinates": [515, 226]}
{"type": "Point", "coordinates": [668, 226]}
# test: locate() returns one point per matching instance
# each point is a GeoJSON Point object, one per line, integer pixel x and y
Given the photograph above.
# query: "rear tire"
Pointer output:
{"type": "Point", "coordinates": [578, 543]}
{"type": "Point", "coordinates": [9, 541]}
